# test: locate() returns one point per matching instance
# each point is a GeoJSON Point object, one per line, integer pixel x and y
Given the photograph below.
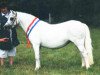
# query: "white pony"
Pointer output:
{"type": "Point", "coordinates": [41, 33]}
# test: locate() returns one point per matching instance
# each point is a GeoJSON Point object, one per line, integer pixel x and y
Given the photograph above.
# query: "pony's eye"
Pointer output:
{"type": "Point", "coordinates": [11, 18]}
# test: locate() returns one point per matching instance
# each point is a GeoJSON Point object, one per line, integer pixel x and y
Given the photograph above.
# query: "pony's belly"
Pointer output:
{"type": "Point", "coordinates": [53, 44]}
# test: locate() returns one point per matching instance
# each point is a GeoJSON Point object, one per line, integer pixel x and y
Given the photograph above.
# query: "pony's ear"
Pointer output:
{"type": "Point", "coordinates": [14, 13]}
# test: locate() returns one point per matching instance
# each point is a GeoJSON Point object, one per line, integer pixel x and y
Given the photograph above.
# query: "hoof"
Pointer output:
{"type": "Point", "coordinates": [83, 65]}
{"type": "Point", "coordinates": [37, 68]}
{"type": "Point", "coordinates": [87, 67]}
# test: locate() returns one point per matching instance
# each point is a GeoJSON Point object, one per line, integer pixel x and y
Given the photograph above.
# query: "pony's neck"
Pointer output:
{"type": "Point", "coordinates": [25, 19]}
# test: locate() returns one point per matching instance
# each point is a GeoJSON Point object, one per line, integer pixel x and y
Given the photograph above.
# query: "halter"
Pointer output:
{"type": "Point", "coordinates": [15, 17]}
{"type": "Point", "coordinates": [12, 19]}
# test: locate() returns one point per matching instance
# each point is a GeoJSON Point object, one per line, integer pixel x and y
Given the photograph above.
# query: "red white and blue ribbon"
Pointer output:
{"type": "Point", "coordinates": [31, 26]}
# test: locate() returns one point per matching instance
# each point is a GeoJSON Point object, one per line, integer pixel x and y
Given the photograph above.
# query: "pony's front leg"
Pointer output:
{"type": "Point", "coordinates": [37, 56]}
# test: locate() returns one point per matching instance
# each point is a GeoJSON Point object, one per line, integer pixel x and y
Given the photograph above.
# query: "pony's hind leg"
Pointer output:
{"type": "Point", "coordinates": [37, 56]}
{"type": "Point", "coordinates": [83, 52]}
{"type": "Point", "coordinates": [83, 62]}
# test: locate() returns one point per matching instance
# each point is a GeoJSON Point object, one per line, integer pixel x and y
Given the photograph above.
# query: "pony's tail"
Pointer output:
{"type": "Point", "coordinates": [88, 46]}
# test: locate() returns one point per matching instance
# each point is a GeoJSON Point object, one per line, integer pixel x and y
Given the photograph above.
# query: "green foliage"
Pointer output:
{"type": "Point", "coordinates": [63, 61]}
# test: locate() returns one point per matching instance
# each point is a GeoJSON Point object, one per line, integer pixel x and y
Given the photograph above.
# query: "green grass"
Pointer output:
{"type": "Point", "coordinates": [63, 61]}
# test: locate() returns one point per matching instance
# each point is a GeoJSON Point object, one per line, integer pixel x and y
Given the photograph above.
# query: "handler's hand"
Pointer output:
{"type": "Point", "coordinates": [4, 39]}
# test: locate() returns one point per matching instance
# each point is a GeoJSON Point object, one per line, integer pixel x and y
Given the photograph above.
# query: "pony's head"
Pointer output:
{"type": "Point", "coordinates": [11, 20]}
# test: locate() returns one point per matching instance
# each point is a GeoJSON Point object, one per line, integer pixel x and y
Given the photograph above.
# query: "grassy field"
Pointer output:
{"type": "Point", "coordinates": [63, 61]}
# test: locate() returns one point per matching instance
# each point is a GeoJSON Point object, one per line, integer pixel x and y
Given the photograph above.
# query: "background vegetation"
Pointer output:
{"type": "Point", "coordinates": [86, 11]}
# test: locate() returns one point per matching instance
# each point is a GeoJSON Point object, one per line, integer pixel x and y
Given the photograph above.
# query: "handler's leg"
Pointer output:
{"type": "Point", "coordinates": [11, 55]}
{"type": "Point", "coordinates": [11, 60]}
{"type": "Point", "coordinates": [1, 61]}
{"type": "Point", "coordinates": [3, 55]}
